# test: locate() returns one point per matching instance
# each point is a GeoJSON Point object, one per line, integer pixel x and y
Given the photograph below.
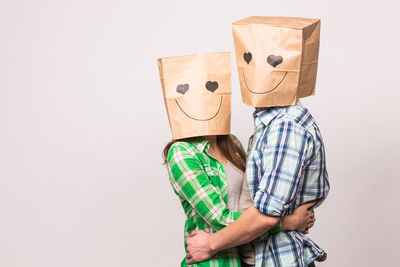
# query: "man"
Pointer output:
{"type": "Point", "coordinates": [277, 62]}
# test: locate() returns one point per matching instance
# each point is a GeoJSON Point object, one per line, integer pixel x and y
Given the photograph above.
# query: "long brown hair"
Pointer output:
{"type": "Point", "coordinates": [229, 148]}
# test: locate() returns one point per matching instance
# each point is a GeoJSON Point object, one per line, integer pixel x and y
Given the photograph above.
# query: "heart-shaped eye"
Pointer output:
{"type": "Point", "coordinates": [274, 60]}
{"type": "Point", "coordinates": [182, 88]}
{"type": "Point", "coordinates": [247, 57]}
{"type": "Point", "coordinates": [211, 86]}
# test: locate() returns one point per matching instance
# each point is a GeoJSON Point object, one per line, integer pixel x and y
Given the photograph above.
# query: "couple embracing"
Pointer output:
{"type": "Point", "coordinates": [254, 208]}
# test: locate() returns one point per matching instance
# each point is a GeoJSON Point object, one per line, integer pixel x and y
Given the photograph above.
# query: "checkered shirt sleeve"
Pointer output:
{"type": "Point", "coordinates": [283, 158]}
{"type": "Point", "coordinates": [191, 183]}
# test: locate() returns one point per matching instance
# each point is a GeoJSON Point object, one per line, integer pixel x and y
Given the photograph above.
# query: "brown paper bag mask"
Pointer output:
{"type": "Point", "coordinates": [197, 93]}
{"type": "Point", "coordinates": [277, 59]}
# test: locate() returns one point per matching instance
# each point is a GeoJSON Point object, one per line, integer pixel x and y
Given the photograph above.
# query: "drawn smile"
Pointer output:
{"type": "Point", "coordinates": [276, 86]}
{"type": "Point", "coordinates": [197, 119]}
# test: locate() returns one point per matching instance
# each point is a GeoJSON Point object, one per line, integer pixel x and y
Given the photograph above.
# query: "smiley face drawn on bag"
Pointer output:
{"type": "Point", "coordinates": [272, 60]}
{"type": "Point", "coordinates": [210, 86]}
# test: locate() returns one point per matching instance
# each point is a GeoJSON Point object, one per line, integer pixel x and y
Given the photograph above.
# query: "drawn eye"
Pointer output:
{"type": "Point", "coordinates": [247, 57]}
{"type": "Point", "coordinates": [274, 60]}
{"type": "Point", "coordinates": [211, 86]}
{"type": "Point", "coordinates": [182, 88]}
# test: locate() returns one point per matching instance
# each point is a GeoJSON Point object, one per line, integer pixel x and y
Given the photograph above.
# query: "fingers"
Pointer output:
{"type": "Point", "coordinates": [194, 233]}
{"type": "Point", "coordinates": [303, 230]}
{"type": "Point", "coordinates": [307, 208]}
{"type": "Point", "coordinates": [309, 205]}
{"type": "Point", "coordinates": [311, 220]}
{"type": "Point", "coordinates": [311, 223]}
{"type": "Point", "coordinates": [190, 259]}
{"type": "Point", "coordinates": [311, 213]}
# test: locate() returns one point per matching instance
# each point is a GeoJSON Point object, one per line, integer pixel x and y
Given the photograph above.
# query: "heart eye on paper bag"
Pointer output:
{"type": "Point", "coordinates": [274, 60]}
{"type": "Point", "coordinates": [247, 57]}
{"type": "Point", "coordinates": [211, 86]}
{"type": "Point", "coordinates": [182, 88]}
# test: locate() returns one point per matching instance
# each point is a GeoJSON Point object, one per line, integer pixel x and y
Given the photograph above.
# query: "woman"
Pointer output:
{"type": "Point", "coordinates": [197, 171]}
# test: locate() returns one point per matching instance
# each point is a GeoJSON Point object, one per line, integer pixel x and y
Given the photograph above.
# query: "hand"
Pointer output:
{"type": "Point", "coordinates": [301, 220]}
{"type": "Point", "coordinates": [310, 223]}
{"type": "Point", "coordinates": [198, 247]}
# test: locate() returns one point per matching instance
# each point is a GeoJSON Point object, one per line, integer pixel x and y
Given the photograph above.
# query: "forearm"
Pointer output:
{"type": "Point", "coordinates": [222, 221]}
{"type": "Point", "coordinates": [250, 225]}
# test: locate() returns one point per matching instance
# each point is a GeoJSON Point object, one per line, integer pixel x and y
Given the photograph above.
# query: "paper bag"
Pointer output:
{"type": "Point", "coordinates": [197, 93]}
{"type": "Point", "coordinates": [277, 59]}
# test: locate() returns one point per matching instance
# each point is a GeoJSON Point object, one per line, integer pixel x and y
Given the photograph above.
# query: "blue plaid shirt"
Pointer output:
{"type": "Point", "coordinates": [285, 169]}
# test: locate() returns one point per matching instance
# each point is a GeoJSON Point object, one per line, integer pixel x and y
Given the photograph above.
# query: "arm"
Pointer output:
{"type": "Point", "coordinates": [191, 183]}
{"type": "Point", "coordinates": [251, 224]}
{"type": "Point", "coordinates": [282, 161]}
{"type": "Point", "coordinates": [296, 141]}
{"type": "Point", "coordinates": [245, 202]}
{"type": "Point", "coordinates": [300, 220]}
{"type": "Point", "coordinates": [246, 228]}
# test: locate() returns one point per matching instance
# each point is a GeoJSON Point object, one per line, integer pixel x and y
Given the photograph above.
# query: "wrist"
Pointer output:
{"type": "Point", "coordinates": [289, 223]}
{"type": "Point", "coordinates": [214, 248]}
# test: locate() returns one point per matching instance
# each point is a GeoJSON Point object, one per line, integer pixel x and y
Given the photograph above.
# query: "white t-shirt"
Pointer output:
{"type": "Point", "coordinates": [239, 200]}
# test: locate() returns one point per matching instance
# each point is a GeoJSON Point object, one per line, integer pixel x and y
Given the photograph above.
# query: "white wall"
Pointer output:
{"type": "Point", "coordinates": [82, 126]}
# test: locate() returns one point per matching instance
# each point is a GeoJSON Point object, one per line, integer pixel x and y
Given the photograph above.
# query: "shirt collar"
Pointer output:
{"type": "Point", "coordinates": [263, 116]}
{"type": "Point", "coordinates": [202, 144]}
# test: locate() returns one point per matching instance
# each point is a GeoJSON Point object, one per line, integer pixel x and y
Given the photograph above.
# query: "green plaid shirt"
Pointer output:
{"type": "Point", "coordinates": [199, 181]}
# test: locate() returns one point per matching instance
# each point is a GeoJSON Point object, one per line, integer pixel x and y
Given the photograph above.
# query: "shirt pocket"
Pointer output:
{"type": "Point", "coordinates": [214, 178]}
{"type": "Point", "coordinates": [209, 171]}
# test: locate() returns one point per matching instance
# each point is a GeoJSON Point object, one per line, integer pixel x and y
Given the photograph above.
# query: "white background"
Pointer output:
{"type": "Point", "coordinates": [82, 126]}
